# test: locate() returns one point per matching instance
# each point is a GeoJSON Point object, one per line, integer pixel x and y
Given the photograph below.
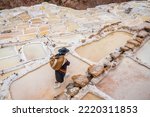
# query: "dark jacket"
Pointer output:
{"type": "Point", "coordinates": [60, 74]}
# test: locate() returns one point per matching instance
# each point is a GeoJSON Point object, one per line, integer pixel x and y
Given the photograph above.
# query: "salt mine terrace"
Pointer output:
{"type": "Point", "coordinates": [109, 52]}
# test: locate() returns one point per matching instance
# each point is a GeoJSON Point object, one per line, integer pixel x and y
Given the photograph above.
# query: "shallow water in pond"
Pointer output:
{"type": "Point", "coordinates": [99, 49]}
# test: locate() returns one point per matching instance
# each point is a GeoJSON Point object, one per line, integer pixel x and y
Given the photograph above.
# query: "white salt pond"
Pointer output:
{"type": "Point", "coordinates": [39, 83]}
{"type": "Point", "coordinates": [9, 62]}
{"type": "Point", "coordinates": [67, 38]}
{"type": "Point", "coordinates": [128, 81]}
{"type": "Point", "coordinates": [7, 51]}
{"type": "Point", "coordinates": [34, 51]}
{"type": "Point", "coordinates": [144, 53]}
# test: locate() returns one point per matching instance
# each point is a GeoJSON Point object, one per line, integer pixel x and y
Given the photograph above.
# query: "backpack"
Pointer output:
{"type": "Point", "coordinates": [57, 62]}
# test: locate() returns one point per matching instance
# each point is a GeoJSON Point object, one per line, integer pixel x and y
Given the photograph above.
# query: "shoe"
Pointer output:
{"type": "Point", "coordinates": [57, 85]}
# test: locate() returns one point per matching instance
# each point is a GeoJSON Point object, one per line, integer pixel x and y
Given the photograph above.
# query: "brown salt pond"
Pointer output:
{"type": "Point", "coordinates": [128, 81]}
{"type": "Point", "coordinates": [8, 51]}
{"type": "Point", "coordinates": [99, 49]}
{"type": "Point", "coordinates": [34, 51]}
{"type": "Point", "coordinates": [91, 96]}
{"type": "Point", "coordinates": [39, 83]}
{"type": "Point", "coordinates": [144, 53]}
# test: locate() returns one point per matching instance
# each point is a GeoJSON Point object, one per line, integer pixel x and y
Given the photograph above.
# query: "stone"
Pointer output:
{"type": "Point", "coordinates": [128, 10]}
{"type": "Point", "coordinates": [130, 46]}
{"type": "Point", "coordinates": [70, 85]}
{"type": "Point", "coordinates": [106, 67]}
{"type": "Point", "coordinates": [91, 36]}
{"type": "Point", "coordinates": [115, 55]}
{"type": "Point", "coordinates": [61, 96]}
{"type": "Point", "coordinates": [147, 27]}
{"type": "Point", "coordinates": [136, 28]}
{"type": "Point", "coordinates": [53, 45]}
{"type": "Point", "coordinates": [83, 40]}
{"type": "Point", "coordinates": [124, 48]}
{"type": "Point", "coordinates": [134, 42]}
{"type": "Point", "coordinates": [142, 34]}
{"type": "Point", "coordinates": [72, 91]}
{"type": "Point", "coordinates": [6, 31]}
{"type": "Point", "coordinates": [140, 40]}
{"type": "Point", "coordinates": [80, 80]}
{"type": "Point", "coordinates": [96, 70]}
{"type": "Point", "coordinates": [108, 59]}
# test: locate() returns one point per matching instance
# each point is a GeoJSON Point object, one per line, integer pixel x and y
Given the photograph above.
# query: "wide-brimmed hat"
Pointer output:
{"type": "Point", "coordinates": [63, 50]}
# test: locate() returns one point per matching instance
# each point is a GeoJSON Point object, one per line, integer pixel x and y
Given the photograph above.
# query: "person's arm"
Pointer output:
{"type": "Point", "coordinates": [67, 62]}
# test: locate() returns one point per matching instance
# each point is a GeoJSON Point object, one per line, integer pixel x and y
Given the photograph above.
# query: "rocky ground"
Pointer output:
{"type": "Point", "coordinates": [109, 51]}
{"type": "Point", "coordinates": [76, 4]}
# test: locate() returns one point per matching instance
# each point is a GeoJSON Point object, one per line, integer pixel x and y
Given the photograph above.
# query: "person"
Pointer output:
{"type": "Point", "coordinates": [60, 66]}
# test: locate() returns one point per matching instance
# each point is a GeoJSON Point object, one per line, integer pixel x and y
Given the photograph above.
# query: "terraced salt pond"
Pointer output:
{"type": "Point", "coordinates": [34, 51]}
{"type": "Point", "coordinates": [39, 83]}
{"type": "Point", "coordinates": [129, 80]}
{"type": "Point", "coordinates": [68, 37]}
{"type": "Point", "coordinates": [144, 53]}
{"type": "Point", "coordinates": [95, 51]}
{"type": "Point", "coordinates": [9, 62]}
{"type": "Point", "coordinates": [6, 75]}
{"type": "Point", "coordinates": [8, 51]}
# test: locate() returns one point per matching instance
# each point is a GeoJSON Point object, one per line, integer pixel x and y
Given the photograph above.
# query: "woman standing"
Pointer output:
{"type": "Point", "coordinates": [59, 63]}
